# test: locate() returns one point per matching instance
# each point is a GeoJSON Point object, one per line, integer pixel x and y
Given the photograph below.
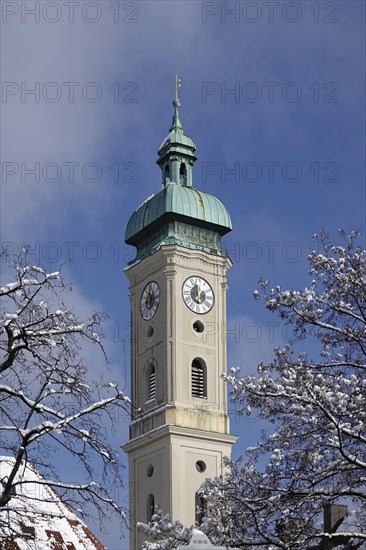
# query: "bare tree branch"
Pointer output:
{"type": "Point", "coordinates": [47, 402]}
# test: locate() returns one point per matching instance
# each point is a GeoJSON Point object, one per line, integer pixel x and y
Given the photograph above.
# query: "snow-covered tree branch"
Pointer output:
{"type": "Point", "coordinates": [167, 534]}
{"type": "Point", "coordinates": [313, 396]}
{"type": "Point", "coordinates": [47, 402]}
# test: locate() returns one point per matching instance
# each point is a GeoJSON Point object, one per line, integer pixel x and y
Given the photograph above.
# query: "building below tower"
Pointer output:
{"type": "Point", "coordinates": [37, 519]}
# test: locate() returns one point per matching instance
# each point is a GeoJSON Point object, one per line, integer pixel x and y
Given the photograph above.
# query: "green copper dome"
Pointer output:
{"type": "Point", "coordinates": [179, 200]}
{"type": "Point", "coordinates": [179, 213]}
{"type": "Point", "coordinates": [177, 139]}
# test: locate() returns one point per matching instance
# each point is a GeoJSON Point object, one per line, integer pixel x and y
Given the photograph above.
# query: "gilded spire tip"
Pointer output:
{"type": "Point", "coordinates": [176, 101]}
{"type": "Point", "coordinates": [177, 126]}
{"type": "Point", "coordinates": [177, 86]}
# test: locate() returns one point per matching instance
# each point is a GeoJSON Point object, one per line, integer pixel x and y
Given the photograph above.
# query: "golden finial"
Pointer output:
{"type": "Point", "coordinates": [177, 86]}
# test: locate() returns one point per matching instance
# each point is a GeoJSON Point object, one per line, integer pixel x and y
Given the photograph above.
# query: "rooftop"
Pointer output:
{"type": "Point", "coordinates": [36, 518]}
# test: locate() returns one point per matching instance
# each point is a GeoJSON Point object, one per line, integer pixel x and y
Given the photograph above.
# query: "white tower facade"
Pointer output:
{"type": "Point", "coordinates": [179, 431]}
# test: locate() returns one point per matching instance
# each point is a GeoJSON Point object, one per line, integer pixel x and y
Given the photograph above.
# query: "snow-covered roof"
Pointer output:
{"type": "Point", "coordinates": [39, 517]}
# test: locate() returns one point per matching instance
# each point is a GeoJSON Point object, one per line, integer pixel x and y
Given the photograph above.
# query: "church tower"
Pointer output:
{"type": "Point", "coordinates": [179, 431]}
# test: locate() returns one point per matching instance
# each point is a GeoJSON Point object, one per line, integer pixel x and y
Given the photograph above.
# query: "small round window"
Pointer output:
{"type": "Point", "coordinates": [198, 326]}
{"type": "Point", "coordinates": [200, 466]}
{"type": "Point", "coordinates": [150, 470]}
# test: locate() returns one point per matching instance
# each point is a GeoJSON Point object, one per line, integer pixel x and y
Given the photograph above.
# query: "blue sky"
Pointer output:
{"type": "Point", "coordinates": [272, 90]}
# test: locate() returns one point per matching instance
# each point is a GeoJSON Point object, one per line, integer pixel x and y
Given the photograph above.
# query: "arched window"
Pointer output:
{"type": "Point", "coordinates": [150, 382]}
{"type": "Point", "coordinates": [199, 378]}
{"type": "Point", "coordinates": [150, 507]}
{"type": "Point", "coordinates": [183, 174]}
{"type": "Point", "coordinates": [200, 508]}
{"type": "Point", "coordinates": [167, 174]}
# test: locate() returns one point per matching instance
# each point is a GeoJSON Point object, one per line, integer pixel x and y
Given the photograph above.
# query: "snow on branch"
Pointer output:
{"type": "Point", "coordinates": [312, 400]}
{"type": "Point", "coordinates": [48, 403]}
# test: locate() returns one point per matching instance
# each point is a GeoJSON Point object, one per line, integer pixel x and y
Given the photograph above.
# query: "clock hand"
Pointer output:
{"type": "Point", "coordinates": [200, 299]}
{"type": "Point", "coordinates": [149, 299]}
{"type": "Point", "coordinates": [194, 292]}
{"type": "Point", "coordinates": [200, 292]}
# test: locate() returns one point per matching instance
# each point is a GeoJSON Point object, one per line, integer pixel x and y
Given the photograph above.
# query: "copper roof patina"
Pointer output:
{"type": "Point", "coordinates": [184, 201]}
{"type": "Point", "coordinates": [178, 213]}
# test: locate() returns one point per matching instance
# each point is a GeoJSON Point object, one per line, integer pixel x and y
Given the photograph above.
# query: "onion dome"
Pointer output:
{"type": "Point", "coordinates": [179, 214]}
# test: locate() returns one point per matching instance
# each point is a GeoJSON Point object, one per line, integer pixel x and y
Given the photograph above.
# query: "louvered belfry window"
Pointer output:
{"type": "Point", "coordinates": [198, 379]}
{"type": "Point", "coordinates": [152, 383]}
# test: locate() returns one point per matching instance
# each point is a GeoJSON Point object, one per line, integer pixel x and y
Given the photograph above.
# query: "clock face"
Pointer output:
{"type": "Point", "coordinates": [149, 302]}
{"type": "Point", "coordinates": [198, 295]}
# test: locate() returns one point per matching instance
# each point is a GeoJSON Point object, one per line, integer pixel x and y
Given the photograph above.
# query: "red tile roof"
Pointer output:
{"type": "Point", "coordinates": [42, 521]}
